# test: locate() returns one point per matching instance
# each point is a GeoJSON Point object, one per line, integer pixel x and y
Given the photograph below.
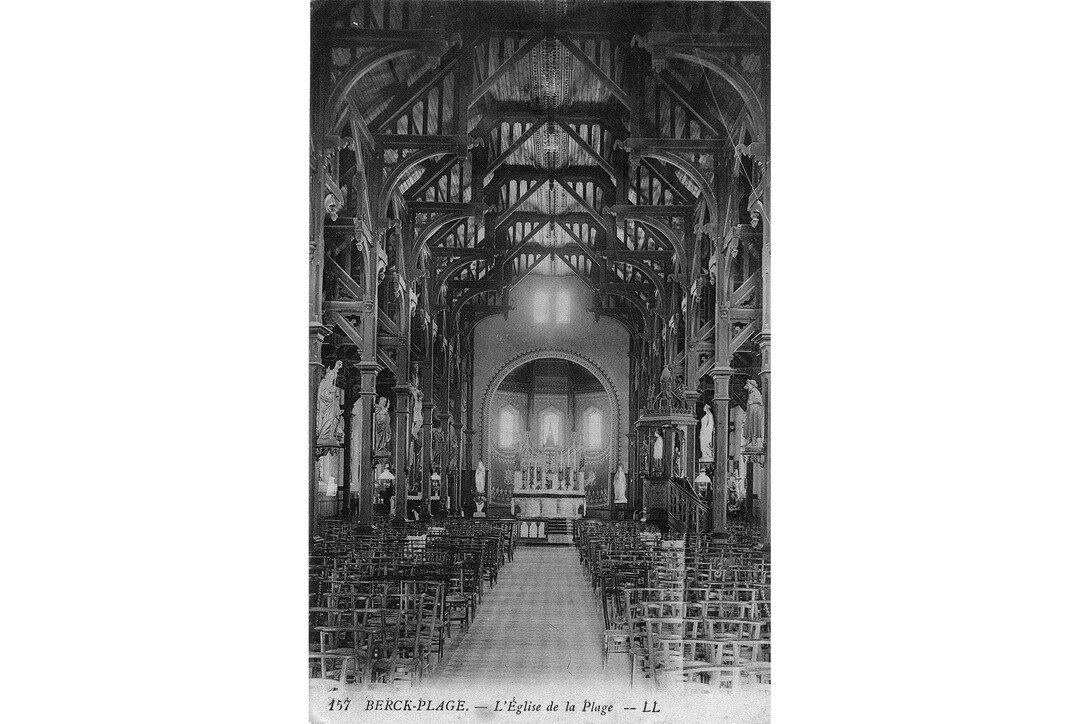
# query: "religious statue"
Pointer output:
{"type": "Point", "coordinates": [736, 485]}
{"type": "Point", "coordinates": [382, 425]}
{"type": "Point", "coordinates": [480, 477]}
{"type": "Point", "coordinates": [436, 447]}
{"type": "Point", "coordinates": [329, 424]}
{"type": "Point", "coordinates": [667, 385]}
{"type": "Point", "coordinates": [657, 452]}
{"type": "Point", "coordinates": [676, 457]}
{"type": "Point", "coordinates": [620, 485]}
{"type": "Point", "coordinates": [705, 436]}
{"type": "Point", "coordinates": [418, 408]}
{"type": "Point", "coordinates": [754, 430]}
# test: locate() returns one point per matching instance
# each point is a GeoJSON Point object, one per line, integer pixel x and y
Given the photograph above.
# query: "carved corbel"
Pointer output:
{"type": "Point", "coordinates": [334, 201]}
{"type": "Point", "coordinates": [711, 229]}
{"type": "Point", "coordinates": [756, 151]}
{"type": "Point", "coordinates": [332, 144]}
{"type": "Point", "coordinates": [362, 234]}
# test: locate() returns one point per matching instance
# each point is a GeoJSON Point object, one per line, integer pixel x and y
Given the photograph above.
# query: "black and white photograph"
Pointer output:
{"type": "Point", "coordinates": [540, 359]}
{"type": "Point", "coordinates": [489, 361]}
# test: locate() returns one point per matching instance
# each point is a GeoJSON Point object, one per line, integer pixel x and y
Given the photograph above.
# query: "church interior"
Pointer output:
{"type": "Point", "coordinates": [540, 345]}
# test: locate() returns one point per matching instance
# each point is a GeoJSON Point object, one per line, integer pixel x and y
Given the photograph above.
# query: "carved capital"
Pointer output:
{"type": "Point", "coordinates": [754, 455]}
{"type": "Point", "coordinates": [316, 334]}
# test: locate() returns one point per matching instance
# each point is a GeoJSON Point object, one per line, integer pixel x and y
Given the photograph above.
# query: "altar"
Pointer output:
{"type": "Point", "coordinates": [549, 504]}
{"type": "Point", "coordinates": [548, 493]}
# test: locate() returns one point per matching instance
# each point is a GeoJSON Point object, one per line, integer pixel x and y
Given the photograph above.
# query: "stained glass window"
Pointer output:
{"type": "Point", "coordinates": [593, 428]}
{"type": "Point", "coordinates": [507, 427]}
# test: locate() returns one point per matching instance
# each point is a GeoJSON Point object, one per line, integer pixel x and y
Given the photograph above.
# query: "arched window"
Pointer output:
{"type": "Point", "coordinates": [594, 428]}
{"type": "Point", "coordinates": [542, 306]}
{"type": "Point", "coordinates": [550, 428]}
{"type": "Point", "coordinates": [562, 306]}
{"type": "Point", "coordinates": [507, 427]}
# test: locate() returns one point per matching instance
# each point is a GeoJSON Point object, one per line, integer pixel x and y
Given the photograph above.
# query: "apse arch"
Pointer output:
{"type": "Point", "coordinates": [488, 410]}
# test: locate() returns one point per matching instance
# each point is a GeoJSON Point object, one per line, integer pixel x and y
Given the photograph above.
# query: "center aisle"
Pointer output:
{"type": "Point", "coordinates": [540, 624]}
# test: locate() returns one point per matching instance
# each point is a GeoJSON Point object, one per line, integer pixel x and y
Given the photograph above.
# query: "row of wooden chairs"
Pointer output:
{"type": "Point", "coordinates": [682, 608]}
{"type": "Point", "coordinates": [384, 603]}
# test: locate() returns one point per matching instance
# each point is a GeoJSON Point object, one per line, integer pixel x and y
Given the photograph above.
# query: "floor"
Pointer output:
{"type": "Point", "coordinates": [540, 624]}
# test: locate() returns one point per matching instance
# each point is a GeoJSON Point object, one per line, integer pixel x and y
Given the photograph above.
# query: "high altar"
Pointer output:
{"type": "Point", "coordinates": [548, 483]}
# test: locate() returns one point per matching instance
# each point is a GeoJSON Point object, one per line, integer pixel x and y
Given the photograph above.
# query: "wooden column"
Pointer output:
{"type": "Point", "coordinates": [455, 490]}
{"type": "Point", "coordinates": [402, 433]}
{"type": "Point", "coordinates": [362, 441]}
{"type": "Point", "coordinates": [317, 333]}
{"type": "Point", "coordinates": [765, 343]}
{"type": "Point", "coordinates": [721, 407]}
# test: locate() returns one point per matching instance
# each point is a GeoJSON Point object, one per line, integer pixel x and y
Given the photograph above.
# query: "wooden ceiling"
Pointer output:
{"type": "Point", "coordinates": [545, 92]}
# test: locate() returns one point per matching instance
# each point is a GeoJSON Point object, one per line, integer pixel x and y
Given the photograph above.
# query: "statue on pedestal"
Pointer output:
{"type": "Point", "coordinates": [676, 456]}
{"type": "Point", "coordinates": [480, 477]}
{"type": "Point", "coordinates": [667, 386]}
{"type": "Point", "coordinates": [329, 424]}
{"type": "Point", "coordinates": [382, 425]}
{"type": "Point", "coordinates": [736, 485]}
{"type": "Point", "coordinates": [418, 407]}
{"type": "Point", "coordinates": [657, 452]}
{"type": "Point", "coordinates": [620, 485]}
{"type": "Point", "coordinates": [705, 435]}
{"type": "Point", "coordinates": [754, 430]}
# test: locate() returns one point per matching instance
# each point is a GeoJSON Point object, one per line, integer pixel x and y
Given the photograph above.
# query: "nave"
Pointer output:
{"type": "Point", "coordinates": [540, 345]}
{"type": "Point", "coordinates": [465, 605]}
{"type": "Point", "coordinates": [541, 624]}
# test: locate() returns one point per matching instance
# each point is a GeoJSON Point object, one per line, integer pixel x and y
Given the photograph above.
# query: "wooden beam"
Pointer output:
{"type": "Point", "coordinates": [346, 306]}
{"type": "Point", "coordinates": [513, 147]}
{"type": "Point", "coordinates": [350, 284]}
{"type": "Point", "coordinates": [445, 207]}
{"type": "Point", "coordinates": [521, 244]}
{"type": "Point", "coordinates": [510, 62]}
{"type": "Point", "coordinates": [634, 210]}
{"type": "Point", "coordinates": [350, 331]}
{"type": "Point", "coordinates": [746, 288]}
{"type": "Point", "coordinates": [463, 252]}
{"type": "Point", "coordinates": [593, 68]}
{"type": "Point", "coordinates": [376, 36]}
{"type": "Point", "coordinates": [742, 337]}
{"type": "Point", "coordinates": [403, 140]}
{"type": "Point", "coordinates": [456, 284]}
{"type": "Point", "coordinates": [678, 145]}
{"type": "Point", "coordinates": [668, 176]}
{"type": "Point", "coordinates": [581, 243]}
{"type": "Point", "coordinates": [745, 314]}
{"type": "Point", "coordinates": [435, 169]}
{"type": "Point", "coordinates": [410, 95]}
{"type": "Point", "coordinates": [567, 260]}
{"type": "Point", "coordinates": [584, 204]}
{"type": "Point", "coordinates": [539, 217]}
{"type": "Point", "coordinates": [628, 287]}
{"type": "Point", "coordinates": [517, 204]}
{"type": "Point", "coordinates": [529, 269]}
{"type": "Point", "coordinates": [389, 324]}
{"type": "Point", "coordinates": [570, 174]}
{"type": "Point", "coordinates": [711, 41]}
{"type": "Point", "coordinates": [713, 121]}
{"type": "Point", "coordinates": [644, 254]}
{"type": "Point", "coordinates": [589, 150]}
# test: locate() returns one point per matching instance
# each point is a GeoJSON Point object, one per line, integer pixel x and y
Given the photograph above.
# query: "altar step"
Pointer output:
{"type": "Point", "coordinates": [546, 531]}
